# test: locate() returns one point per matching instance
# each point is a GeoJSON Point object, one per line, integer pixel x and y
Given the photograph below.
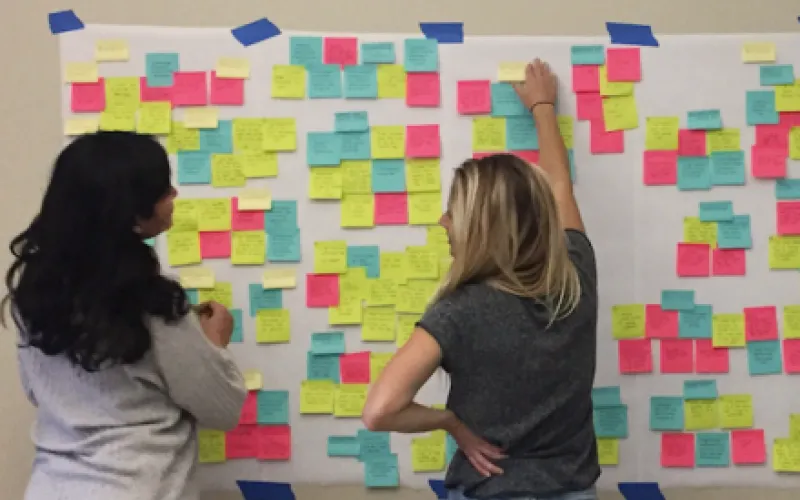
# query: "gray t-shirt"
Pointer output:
{"type": "Point", "coordinates": [522, 386]}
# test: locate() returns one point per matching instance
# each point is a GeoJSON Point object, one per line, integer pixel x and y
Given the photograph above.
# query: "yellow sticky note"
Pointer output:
{"type": "Point", "coordinates": [758, 52]}
{"type": "Point", "coordinates": [377, 362]}
{"type": "Point", "coordinates": [427, 454]}
{"type": "Point", "coordinates": [786, 455]}
{"type": "Point", "coordinates": [511, 71]}
{"type": "Point", "coordinates": [613, 88]}
{"type": "Point", "coordinates": [787, 97]}
{"type": "Point", "coordinates": [182, 139]}
{"type": "Point", "coordinates": [348, 312]}
{"type": "Point", "coordinates": [325, 183]}
{"type": "Point", "coordinates": [791, 322]}
{"type": "Point", "coordinates": [488, 134]}
{"type": "Point", "coordinates": [248, 248]}
{"type": "Point", "coordinates": [213, 214]}
{"type": "Point", "coordinates": [111, 50]}
{"type": "Point", "coordinates": [413, 297]}
{"type": "Point", "coordinates": [122, 93]}
{"type": "Point", "coordinates": [154, 118]}
{"type": "Point", "coordinates": [253, 380]}
{"type": "Point", "coordinates": [248, 134]}
{"type": "Point", "coordinates": [424, 208]}
{"type": "Point", "coordinates": [349, 400]}
{"type": "Point", "coordinates": [330, 257]}
{"type": "Point", "coordinates": [794, 142]}
{"type": "Point", "coordinates": [406, 323]}
{"type": "Point", "coordinates": [423, 175]}
{"type": "Point", "coordinates": [356, 177]}
{"type": "Point", "coordinates": [317, 396]}
{"type": "Point", "coordinates": [566, 126]}
{"type": "Point", "coordinates": [784, 252]}
{"type": "Point", "coordinates": [736, 411]}
{"type": "Point", "coordinates": [80, 126]}
{"type": "Point", "coordinates": [80, 72]}
{"type": "Point", "coordinates": [233, 67]}
{"type": "Point", "coordinates": [184, 215]}
{"type": "Point", "coordinates": [280, 134]}
{"type": "Point", "coordinates": [254, 199]}
{"type": "Point", "coordinates": [358, 210]}
{"type": "Point", "coordinates": [725, 139]}
{"type": "Point", "coordinates": [794, 426]}
{"type": "Point", "coordinates": [222, 293]}
{"type": "Point", "coordinates": [354, 283]}
{"type": "Point", "coordinates": [183, 248]}
{"type": "Point", "coordinates": [379, 324]}
{"type": "Point", "coordinates": [422, 262]}
{"type": "Point", "coordinates": [273, 326]}
{"type": "Point", "coordinates": [701, 414]}
{"type": "Point", "coordinates": [627, 321]}
{"type": "Point", "coordinates": [619, 113]}
{"type": "Point", "coordinates": [226, 171]}
{"type": "Point", "coordinates": [697, 231]}
{"type": "Point", "coordinates": [444, 265]}
{"type": "Point", "coordinates": [197, 277]}
{"type": "Point", "coordinates": [288, 82]}
{"type": "Point", "coordinates": [118, 120]}
{"type": "Point", "coordinates": [662, 133]}
{"type": "Point", "coordinates": [388, 142]}
{"type": "Point", "coordinates": [210, 446]}
{"type": "Point", "coordinates": [727, 330]}
{"type": "Point", "coordinates": [258, 164]}
{"type": "Point", "coordinates": [201, 117]}
{"type": "Point", "coordinates": [391, 81]}
{"type": "Point", "coordinates": [436, 235]}
{"type": "Point", "coordinates": [279, 278]}
{"type": "Point", "coordinates": [393, 265]}
{"type": "Point", "coordinates": [608, 451]}
{"type": "Point", "coordinates": [382, 292]}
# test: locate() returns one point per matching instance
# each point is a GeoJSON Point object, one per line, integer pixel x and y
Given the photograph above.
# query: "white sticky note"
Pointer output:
{"type": "Point", "coordinates": [511, 71]}
{"type": "Point", "coordinates": [758, 52]}
{"type": "Point", "coordinates": [201, 118]}
{"type": "Point", "coordinates": [111, 50]}
{"type": "Point", "coordinates": [80, 126]}
{"type": "Point", "coordinates": [253, 380]}
{"type": "Point", "coordinates": [81, 72]}
{"type": "Point", "coordinates": [197, 278]}
{"type": "Point", "coordinates": [233, 67]}
{"type": "Point", "coordinates": [279, 278]}
{"type": "Point", "coordinates": [254, 199]}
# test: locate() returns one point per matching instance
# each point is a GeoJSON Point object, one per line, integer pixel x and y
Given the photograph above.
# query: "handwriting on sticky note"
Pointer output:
{"type": "Point", "coordinates": [388, 142]}
{"type": "Point", "coordinates": [423, 90]}
{"type": "Point", "coordinates": [488, 134]}
{"type": "Point", "coordinates": [624, 65]}
{"type": "Point", "coordinates": [288, 82]}
{"type": "Point", "coordinates": [422, 141]}
{"type": "Point", "coordinates": [379, 324]}
{"type": "Point", "coordinates": [279, 278]}
{"type": "Point", "coordinates": [627, 321]}
{"type": "Point", "coordinates": [728, 330]}
{"type": "Point", "coordinates": [349, 400]}
{"type": "Point", "coordinates": [427, 454]}
{"type": "Point", "coordinates": [215, 244]}
{"type": "Point", "coordinates": [233, 67]}
{"type": "Point", "coordinates": [736, 411]}
{"type": "Point", "coordinates": [183, 248]}
{"type": "Point", "coordinates": [619, 113]}
{"type": "Point", "coordinates": [474, 97]}
{"type": "Point", "coordinates": [81, 72]}
{"type": "Point", "coordinates": [354, 368]}
{"type": "Point", "coordinates": [758, 52]}
{"type": "Point", "coordinates": [635, 356]}
{"type": "Point", "coordinates": [677, 355]}
{"type": "Point", "coordinates": [111, 50]}
{"type": "Point", "coordinates": [210, 446]}
{"type": "Point", "coordinates": [273, 326]}
{"type": "Point", "coordinates": [253, 380]}
{"type": "Point", "coordinates": [748, 447]}
{"type": "Point", "coordinates": [662, 133]}
{"type": "Point", "coordinates": [677, 449]}
{"type": "Point", "coordinates": [248, 247]}
{"type": "Point", "coordinates": [197, 277]}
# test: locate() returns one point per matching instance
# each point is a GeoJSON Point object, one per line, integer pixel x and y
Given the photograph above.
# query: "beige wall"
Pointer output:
{"type": "Point", "coordinates": [30, 127]}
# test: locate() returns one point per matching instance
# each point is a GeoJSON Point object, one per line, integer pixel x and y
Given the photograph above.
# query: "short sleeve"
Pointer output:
{"type": "Point", "coordinates": [439, 321]}
{"type": "Point", "coordinates": [581, 253]}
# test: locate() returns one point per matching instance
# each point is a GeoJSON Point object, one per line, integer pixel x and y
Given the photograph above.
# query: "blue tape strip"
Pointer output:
{"type": "Point", "coordinates": [257, 31]}
{"type": "Point", "coordinates": [640, 491]}
{"type": "Point", "coordinates": [443, 32]}
{"type": "Point", "coordinates": [64, 21]}
{"type": "Point", "coordinates": [261, 490]}
{"type": "Point", "coordinates": [437, 486]}
{"type": "Point", "coordinates": [631, 34]}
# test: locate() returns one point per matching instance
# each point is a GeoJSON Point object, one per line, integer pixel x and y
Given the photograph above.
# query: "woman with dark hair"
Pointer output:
{"type": "Point", "coordinates": [121, 369]}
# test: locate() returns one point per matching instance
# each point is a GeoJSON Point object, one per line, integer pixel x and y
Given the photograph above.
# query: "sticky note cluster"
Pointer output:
{"type": "Point", "coordinates": [610, 422]}
{"type": "Point", "coordinates": [714, 242]}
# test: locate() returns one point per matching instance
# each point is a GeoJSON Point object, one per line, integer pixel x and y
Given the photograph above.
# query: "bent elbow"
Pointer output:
{"type": "Point", "coordinates": [374, 418]}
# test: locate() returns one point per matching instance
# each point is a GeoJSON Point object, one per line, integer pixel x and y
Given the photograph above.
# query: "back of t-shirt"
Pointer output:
{"type": "Point", "coordinates": [522, 385]}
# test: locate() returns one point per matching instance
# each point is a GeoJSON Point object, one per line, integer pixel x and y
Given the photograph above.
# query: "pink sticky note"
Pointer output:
{"type": "Point", "coordinates": [226, 91]}
{"type": "Point", "coordinates": [531, 157]}
{"type": "Point", "coordinates": [589, 106]}
{"type": "Point", "coordinates": [710, 359]}
{"type": "Point", "coordinates": [694, 260]}
{"type": "Point", "coordinates": [322, 290]}
{"type": "Point", "coordinates": [154, 94]}
{"type": "Point", "coordinates": [391, 208]}
{"type": "Point", "coordinates": [274, 442]}
{"type": "Point", "coordinates": [586, 79]}
{"type": "Point", "coordinates": [691, 142]}
{"type": "Point", "coordinates": [249, 413]}
{"type": "Point", "coordinates": [635, 356]}
{"type": "Point", "coordinates": [791, 355]}
{"type": "Point", "coordinates": [422, 141]}
{"type": "Point", "coordinates": [354, 368]}
{"type": "Point", "coordinates": [660, 324]}
{"type": "Point", "coordinates": [341, 51]}
{"type": "Point", "coordinates": [624, 65]}
{"type": "Point", "coordinates": [677, 356]}
{"type": "Point", "coordinates": [602, 142]}
{"type": "Point", "coordinates": [189, 88]}
{"type": "Point", "coordinates": [89, 97]}
{"type": "Point", "coordinates": [789, 119]}
{"type": "Point", "coordinates": [478, 156]}
{"type": "Point", "coordinates": [748, 447]}
{"type": "Point", "coordinates": [760, 323]}
{"type": "Point", "coordinates": [788, 217]}
{"type": "Point", "coordinates": [241, 442]}
{"type": "Point", "coordinates": [768, 163]}
{"type": "Point", "coordinates": [215, 245]}
{"type": "Point", "coordinates": [474, 97]}
{"type": "Point", "coordinates": [422, 90]}
{"type": "Point", "coordinates": [773, 137]}
{"type": "Point", "coordinates": [728, 262]}
{"type": "Point", "coordinates": [677, 449]}
{"type": "Point", "coordinates": [245, 221]}
{"type": "Point", "coordinates": [660, 168]}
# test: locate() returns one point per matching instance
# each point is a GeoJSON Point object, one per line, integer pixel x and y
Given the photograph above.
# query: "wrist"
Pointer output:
{"type": "Point", "coordinates": [450, 422]}
{"type": "Point", "coordinates": [539, 107]}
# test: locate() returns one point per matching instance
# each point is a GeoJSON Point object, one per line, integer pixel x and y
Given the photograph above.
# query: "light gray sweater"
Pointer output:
{"type": "Point", "coordinates": [129, 432]}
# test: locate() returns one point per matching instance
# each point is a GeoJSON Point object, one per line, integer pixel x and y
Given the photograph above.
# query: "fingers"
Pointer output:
{"type": "Point", "coordinates": [483, 465]}
{"type": "Point", "coordinates": [493, 452]}
{"type": "Point", "coordinates": [518, 88]}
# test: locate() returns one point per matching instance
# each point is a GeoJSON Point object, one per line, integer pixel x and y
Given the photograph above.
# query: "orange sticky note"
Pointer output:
{"type": "Point", "coordinates": [274, 442]}
{"type": "Point", "coordinates": [354, 368]}
{"type": "Point", "coordinates": [422, 141]}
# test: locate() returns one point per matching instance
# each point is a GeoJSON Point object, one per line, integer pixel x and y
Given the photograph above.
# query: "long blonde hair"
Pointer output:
{"type": "Point", "coordinates": [506, 233]}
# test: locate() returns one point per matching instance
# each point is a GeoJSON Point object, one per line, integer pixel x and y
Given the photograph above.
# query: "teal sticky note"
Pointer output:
{"type": "Point", "coordinates": [611, 421]}
{"type": "Point", "coordinates": [264, 299]}
{"type": "Point", "coordinates": [238, 328]}
{"type": "Point", "coordinates": [282, 217]}
{"type": "Point", "coordinates": [421, 55]}
{"type": "Point", "coordinates": [571, 155]}
{"type": "Point", "coordinates": [327, 343]}
{"type": "Point", "coordinates": [381, 472]}
{"type": "Point", "coordinates": [606, 396]}
{"type": "Point", "coordinates": [377, 53]}
{"type": "Point", "coordinates": [159, 68]}
{"type": "Point", "coordinates": [151, 242]}
{"type": "Point", "coordinates": [735, 233]}
{"type": "Point", "coordinates": [361, 82]}
{"type": "Point", "coordinates": [677, 300]}
{"type": "Point", "coordinates": [587, 55]}
{"type": "Point", "coordinates": [283, 246]}
{"type": "Point", "coordinates": [700, 389]}
{"type": "Point", "coordinates": [727, 168]}
{"type": "Point", "coordinates": [343, 446]}
{"type": "Point", "coordinates": [355, 145]}
{"type": "Point", "coordinates": [521, 134]}
{"type": "Point", "coordinates": [694, 173]}
{"type": "Point", "coordinates": [505, 101]}
{"type": "Point", "coordinates": [305, 50]}
{"type": "Point", "coordinates": [323, 149]}
{"type": "Point", "coordinates": [388, 176]}
{"type": "Point", "coordinates": [217, 140]}
{"type": "Point", "coordinates": [712, 449]}
{"type": "Point", "coordinates": [777, 74]}
{"type": "Point", "coordinates": [761, 107]}
{"type": "Point", "coordinates": [450, 448]}
{"type": "Point", "coordinates": [764, 357]}
{"type": "Point", "coordinates": [373, 444]}
{"type": "Point", "coordinates": [787, 189]}
{"type": "Point", "coordinates": [351, 121]}
{"type": "Point", "coordinates": [324, 81]}
{"type": "Point", "coordinates": [715, 211]}
{"type": "Point", "coordinates": [322, 367]}
{"type": "Point", "coordinates": [696, 323]}
{"type": "Point", "coordinates": [366, 256]}
{"type": "Point", "coordinates": [192, 296]}
{"type": "Point", "coordinates": [273, 407]}
{"type": "Point", "coordinates": [704, 119]}
{"type": "Point", "coordinates": [194, 167]}
{"type": "Point", "coordinates": [666, 413]}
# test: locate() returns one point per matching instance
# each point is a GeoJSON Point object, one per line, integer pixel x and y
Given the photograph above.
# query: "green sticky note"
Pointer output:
{"type": "Point", "coordinates": [777, 74]}
{"type": "Point", "coordinates": [388, 176]}
{"type": "Point", "coordinates": [327, 343]}
{"type": "Point", "coordinates": [761, 108]}
{"type": "Point", "coordinates": [787, 189]}
{"type": "Point", "coordinates": [712, 449]}
{"type": "Point", "coordinates": [728, 168]}
{"type": "Point", "coordinates": [273, 407]}
{"type": "Point", "coordinates": [694, 173]}
{"type": "Point", "coordinates": [611, 421]}
{"type": "Point", "coordinates": [381, 472]}
{"type": "Point", "coordinates": [192, 296]}
{"type": "Point", "coordinates": [677, 300]}
{"type": "Point", "coordinates": [377, 53]}
{"type": "Point", "coordinates": [194, 167]}
{"type": "Point", "coordinates": [323, 149]}
{"type": "Point", "coordinates": [704, 119]}
{"type": "Point", "coordinates": [700, 389]}
{"type": "Point", "coordinates": [322, 367]}
{"type": "Point", "coordinates": [373, 444]}
{"type": "Point", "coordinates": [351, 121]}
{"type": "Point", "coordinates": [236, 336]}
{"type": "Point", "coordinates": [305, 50]}
{"type": "Point", "coordinates": [735, 233]}
{"type": "Point", "coordinates": [587, 55]}
{"type": "Point", "coordinates": [324, 81]}
{"type": "Point", "coordinates": [151, 242]}
{"type": "Point", "coordinates": [715, 211]}
{"type": "Point", "coordinates": [606, 396]}
{"type": "Point", "coordinates": [421, 55]}
{"type": "Point", "coordinates": [666, 413]}
{"type": "Point", "coordinates": [696, 323]}
{"type": "Point", "coordinates": [355, 145]}
{"type": "Point", "coordinates": [764, 357]}
{"type": "Point", "coordinates": [521, 134]}
{"type": "Point", "coordinates": [343, 446]}
{"type": "Point", "coordinates": [505, 101]}
{"type": "Point", "coordinates": [160, 68]}
{"type": "Point", "coordinates": [361, 82]}
{"type": "Point", "coordinates": [366, 256]}
{"type": "Point", "coordinates": [450, 448]}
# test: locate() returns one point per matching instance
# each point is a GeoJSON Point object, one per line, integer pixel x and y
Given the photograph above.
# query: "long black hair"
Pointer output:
{"type": "Point", "coordinates": [83, 282]}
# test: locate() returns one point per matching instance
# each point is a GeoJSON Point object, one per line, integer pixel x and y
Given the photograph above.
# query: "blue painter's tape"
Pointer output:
{"type": "Point", "coordinates": [257, 31]}
{"type": "Point", "coordinates": [640, 491]}
{"type": "Point", "coordinates": [631, 34]}
{"type": "Point", "coordinates": [443, 32]}
{"type": "Point", "coordinates": [259, 490]}
{"type": "Point", "coordinates": [437, 485]}
{"type": "Point", "coordinates": [64, 21]}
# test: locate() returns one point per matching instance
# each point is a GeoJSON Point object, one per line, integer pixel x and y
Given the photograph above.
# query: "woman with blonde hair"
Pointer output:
{"type": "Point", "coordinates": [514, 325]}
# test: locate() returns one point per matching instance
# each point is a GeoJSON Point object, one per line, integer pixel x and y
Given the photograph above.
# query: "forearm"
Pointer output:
{"type": "Point", "coordinates": [413, 418]}
{"type": "Point", "coordinates": [553, 157]}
